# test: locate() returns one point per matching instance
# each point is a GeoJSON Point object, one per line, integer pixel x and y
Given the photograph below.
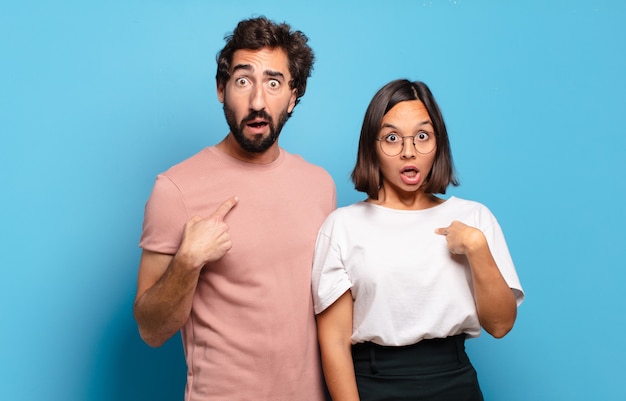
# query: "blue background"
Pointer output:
{"type": "Point", "coordinates": [97, 97]}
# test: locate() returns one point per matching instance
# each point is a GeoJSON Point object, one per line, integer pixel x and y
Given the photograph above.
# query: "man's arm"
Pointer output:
{"type": "Point", "coordinates": [166, 283]}
{"type": "Point", "coordinates": [165, 291]}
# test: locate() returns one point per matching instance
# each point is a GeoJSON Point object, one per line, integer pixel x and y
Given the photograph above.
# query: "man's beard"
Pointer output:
{"type": "Point", "coordinates": [256, 145]}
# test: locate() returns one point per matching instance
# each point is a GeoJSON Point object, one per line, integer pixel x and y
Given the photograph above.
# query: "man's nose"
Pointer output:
{"type": "Point", "coordinates": [257, 100]}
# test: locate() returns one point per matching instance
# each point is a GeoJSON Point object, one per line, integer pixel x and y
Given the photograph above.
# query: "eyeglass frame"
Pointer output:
{"type": "Point", "coordinates": [403, 137]}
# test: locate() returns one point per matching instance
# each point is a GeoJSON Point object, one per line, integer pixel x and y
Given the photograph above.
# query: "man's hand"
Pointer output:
{"type": "Point", "coordinates": [206, 239]}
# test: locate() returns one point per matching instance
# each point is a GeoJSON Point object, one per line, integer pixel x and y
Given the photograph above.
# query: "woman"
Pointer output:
{"type": "Point", "coordinates": [402, 278]}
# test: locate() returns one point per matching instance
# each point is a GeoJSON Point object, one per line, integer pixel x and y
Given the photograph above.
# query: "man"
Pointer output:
{"type": "Point", "coordinates": [229, 234]}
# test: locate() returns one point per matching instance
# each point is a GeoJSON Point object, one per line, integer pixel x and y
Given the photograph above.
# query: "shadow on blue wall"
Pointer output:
{"type": "Point", "coordinates": [126, 369]}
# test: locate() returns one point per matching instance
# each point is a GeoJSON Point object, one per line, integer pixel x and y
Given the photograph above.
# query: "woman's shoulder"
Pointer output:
{"type": "Point", "coordinates": [349, 210]}
{"type": "Point", "coordinates": [474, 210]}
{"type": "Point", "coordinates": [345, 216]}
{"type": "Point", "coordinates": [457, 202]}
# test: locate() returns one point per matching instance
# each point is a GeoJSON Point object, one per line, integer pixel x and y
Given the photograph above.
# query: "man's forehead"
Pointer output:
{"type": "Point", "coordinates": [262, 60]}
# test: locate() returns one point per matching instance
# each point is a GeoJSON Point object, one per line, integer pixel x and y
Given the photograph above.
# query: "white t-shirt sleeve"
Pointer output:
{"type": "Point", "coordinates": [500, 251]}
{"type": "Point", "coordinates": [329, 278]}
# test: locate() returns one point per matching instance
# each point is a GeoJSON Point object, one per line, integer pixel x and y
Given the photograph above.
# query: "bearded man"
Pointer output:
{"type": "Point", "coordinates": [229, 234]}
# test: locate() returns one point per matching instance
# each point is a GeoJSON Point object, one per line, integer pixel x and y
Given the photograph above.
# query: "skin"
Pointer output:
{"type": "Point", "coordinates": [259, 83]}
{"type": "Point", "coordinates": [166, 284]}
{"type": "Point", "coordinates": [403, 178]}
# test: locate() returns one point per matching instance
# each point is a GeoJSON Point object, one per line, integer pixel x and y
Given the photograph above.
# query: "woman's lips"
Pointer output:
{"type": "Point", "coordinates": [410, 175]}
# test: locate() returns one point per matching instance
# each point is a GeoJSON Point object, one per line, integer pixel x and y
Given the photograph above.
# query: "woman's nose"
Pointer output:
{"type": "Point", "coordinates": [408, 147]}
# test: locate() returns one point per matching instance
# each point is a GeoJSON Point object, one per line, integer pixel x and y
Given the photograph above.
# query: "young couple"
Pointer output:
{"type": "Point", "coordinates": [399, 280]}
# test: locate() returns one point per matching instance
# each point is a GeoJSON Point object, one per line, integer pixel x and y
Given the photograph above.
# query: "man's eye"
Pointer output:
{"type": "Point", "coordinates": [392, 138]}
{"type": "Point", "coordinates": [241, 81]}
{"type": "Point", "coordinates": [273, 84]}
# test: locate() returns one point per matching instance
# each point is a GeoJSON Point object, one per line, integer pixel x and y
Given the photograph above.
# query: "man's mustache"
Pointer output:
{"type": "Point", "coordinates": [257, 114]}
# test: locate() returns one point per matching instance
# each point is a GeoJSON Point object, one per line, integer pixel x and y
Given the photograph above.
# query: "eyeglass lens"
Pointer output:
{"type": "Point", "coordinates": [393, 144]}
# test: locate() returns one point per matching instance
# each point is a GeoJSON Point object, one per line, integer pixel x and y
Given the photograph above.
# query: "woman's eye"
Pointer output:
{"type": "Point", "coordinates": [423, 136]}
{"type": "Point", "coordinates": [391, 138]}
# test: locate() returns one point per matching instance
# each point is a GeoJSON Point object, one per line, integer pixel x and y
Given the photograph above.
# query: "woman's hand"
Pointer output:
{"type": "Point", "coordinates": [462, 239]}
{"type": "Point", "coordinates": [495, 302]}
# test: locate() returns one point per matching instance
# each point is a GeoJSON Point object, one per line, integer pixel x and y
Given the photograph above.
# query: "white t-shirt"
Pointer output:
{"type": "Point", "coordinates": [405, 283]}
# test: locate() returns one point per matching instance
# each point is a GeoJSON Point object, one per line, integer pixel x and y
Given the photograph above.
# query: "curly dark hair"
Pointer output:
{"type": "Point", "coordinates": [366, 175]}
{"type": "Point", "coordinates": [257, 33]}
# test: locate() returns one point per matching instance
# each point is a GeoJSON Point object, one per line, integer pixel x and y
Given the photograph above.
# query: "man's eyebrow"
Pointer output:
{"type": "Point", "coordinates": [246, 67]}
{"type": "Point", "coordinates": [268, 73]}
{"type": "Point", "coordinates": [274, 74]}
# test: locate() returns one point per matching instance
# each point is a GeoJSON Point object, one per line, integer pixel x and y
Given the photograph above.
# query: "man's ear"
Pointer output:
{"type": "Point", "coordinates": [220, 91]}
{"type": "Point", "coordinates": [292, 100]}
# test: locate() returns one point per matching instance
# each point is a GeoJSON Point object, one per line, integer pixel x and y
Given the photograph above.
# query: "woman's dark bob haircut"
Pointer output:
{"type": "Point", "coordinates": [366, 174]}
{"type": "Point", "coordinates": [258, 33]}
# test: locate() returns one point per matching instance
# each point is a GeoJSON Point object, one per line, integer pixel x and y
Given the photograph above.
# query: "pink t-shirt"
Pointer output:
{"type": "Point", "coordinates": [251, 334]}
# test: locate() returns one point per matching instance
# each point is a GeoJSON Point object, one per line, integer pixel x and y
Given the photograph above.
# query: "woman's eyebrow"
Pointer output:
{"type": "Point", "coordinates": [389, 125]}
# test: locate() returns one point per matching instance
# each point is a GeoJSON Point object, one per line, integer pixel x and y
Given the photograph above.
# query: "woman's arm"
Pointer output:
{"type": "Point", "coordinates": [334, 328]}
{"type": "Point", "coordinates": [495, 302]}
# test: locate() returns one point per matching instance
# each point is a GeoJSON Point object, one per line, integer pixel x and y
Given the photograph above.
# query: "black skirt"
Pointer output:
{"type": "Point", "coordinates": [433, 370]}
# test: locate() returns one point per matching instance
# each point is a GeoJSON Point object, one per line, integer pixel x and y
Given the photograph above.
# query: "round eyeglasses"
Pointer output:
{"type": "Point", "coordinates": [392, 144]}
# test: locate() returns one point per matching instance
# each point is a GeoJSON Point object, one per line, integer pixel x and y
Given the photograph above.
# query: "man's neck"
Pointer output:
{"type": "Point", "coordinates": [230, 146]}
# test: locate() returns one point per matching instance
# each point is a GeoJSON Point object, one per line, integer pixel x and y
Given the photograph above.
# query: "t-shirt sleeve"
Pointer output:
{"type": "Point", "coordinates": [164, 218]}
{"type": "Point", "coordinates": [500, 251]}
{"type": "Point", "coordinates": [329, 278]}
